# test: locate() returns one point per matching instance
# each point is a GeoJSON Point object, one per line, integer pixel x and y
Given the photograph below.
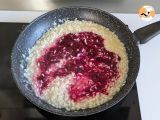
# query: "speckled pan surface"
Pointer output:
{"type": "Point", "coordinates": [38, 27]}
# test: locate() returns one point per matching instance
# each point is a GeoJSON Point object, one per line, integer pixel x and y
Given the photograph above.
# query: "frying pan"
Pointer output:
{"type": "Point", "coordinates": [42, 24]}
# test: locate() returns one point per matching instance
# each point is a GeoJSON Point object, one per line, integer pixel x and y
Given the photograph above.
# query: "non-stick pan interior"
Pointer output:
{"type": "Point", "coordinates": [38, 27]}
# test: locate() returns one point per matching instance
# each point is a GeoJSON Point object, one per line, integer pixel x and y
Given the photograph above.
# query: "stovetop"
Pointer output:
{"type": "Point", "coordinates": [13, 106]}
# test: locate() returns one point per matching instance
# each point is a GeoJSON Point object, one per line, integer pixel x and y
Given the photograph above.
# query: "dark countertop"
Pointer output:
{"type": "Point", "coordinates": [13, 106]}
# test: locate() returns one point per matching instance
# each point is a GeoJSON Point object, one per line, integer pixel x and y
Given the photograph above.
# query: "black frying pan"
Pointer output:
{"type": "Point", "coordinates": [40, 25]}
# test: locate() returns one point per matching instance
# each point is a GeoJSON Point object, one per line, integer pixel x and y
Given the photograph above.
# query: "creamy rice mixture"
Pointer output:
{"type": "Point", "coordinates": [57, 91]}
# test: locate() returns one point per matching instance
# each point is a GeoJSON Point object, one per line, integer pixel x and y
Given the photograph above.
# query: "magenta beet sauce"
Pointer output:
{"type": "Point", "coordinates": [84, 53]}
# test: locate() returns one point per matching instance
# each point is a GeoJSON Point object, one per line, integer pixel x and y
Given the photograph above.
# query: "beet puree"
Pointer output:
{"type": "Point", "coordinates": [83, 54]}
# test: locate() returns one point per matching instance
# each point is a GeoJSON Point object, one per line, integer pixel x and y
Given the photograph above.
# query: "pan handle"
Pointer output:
{"type": "Point", "coordinates": [146, 33]}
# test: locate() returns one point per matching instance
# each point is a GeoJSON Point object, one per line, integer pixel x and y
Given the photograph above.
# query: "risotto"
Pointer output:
{"type": "Point", "coordinates": [77, 65]}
